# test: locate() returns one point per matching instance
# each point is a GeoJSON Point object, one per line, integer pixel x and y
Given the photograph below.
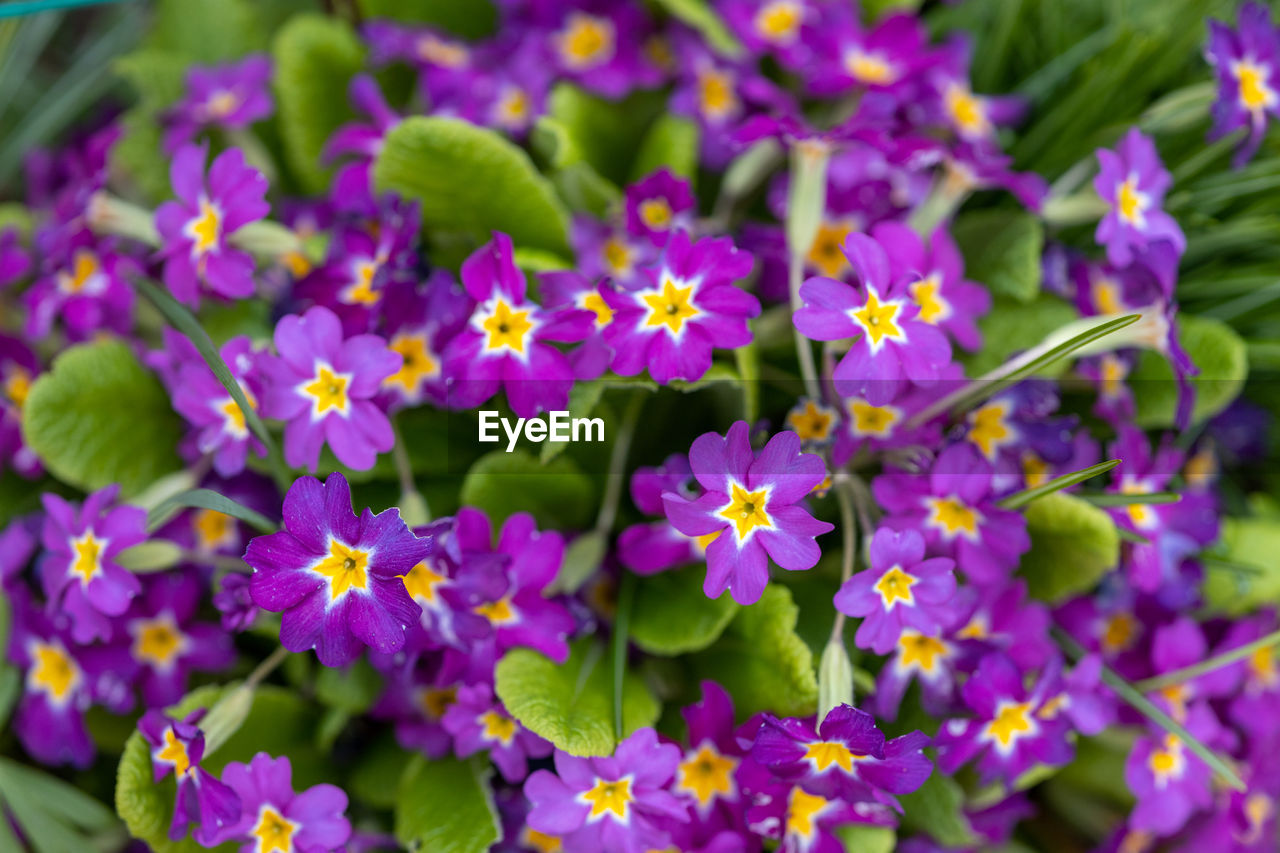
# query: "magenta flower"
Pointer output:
{"type": "Point", "coordinates": [84, 283]}
{"type": "Point", "coordinates": [1169, 781]}
{"type": "Point", "coordinates": [420, 320]}
{"type": "Point", "coordinates": [685, 306]}
{"type": "Point", "coordinates": [178, 746]}
{"type": "Point", "coordinates": [79, 569]}
{"type": "Point", "coordinates": [750, 509]}
{"type": "Point", "coordinates": [353, 183]}
{"type": "Point", "coordinates": [19, 367]}
{"type": "Point", "coordinates": [936, 281]}
{"type": "Point", "coordinates": [600, 46]}
{"type": "Point", "coordinates": [337, 579]}
{"type": "Point", "coordinates": [507, 341]}
{"type": "Point", "coordinates": [650, 547]}
{"type": "Point", "coordinates": [900, 590]}
{"type": "Point", "coordinates": [615, 803]}
{"type": "Point", "coordinates": [894, 345]}
{"type": "Point", "coordinates": [479, 722]}
{"type": "Point", "coordinates": [1247, 63]}
{"type": "Point", "coordinates": [273, 817]}
{"type": "Point", "coordinates": [1133, 181]}
{"type": "Point", "coordinates": [228, 97]}
{"type": "Point", "coordinates": [845, 758]}
{"type": "Point", "coordinates": [659, 205]}
{"type": "Point", "coordinates": [15, 260]}
{"type": "Point", "coordinates": [569, 289]}
{"type": "Point", "coordinates": [167, 642]}
{"type": "Point", "coordinates": [323, 385]}
{"type": "Point", "coordinates": [885, 58]}
{"type": "Point", "coordinates": [710, 773]}
{"type": "Point", "coordinates": [195, 228]}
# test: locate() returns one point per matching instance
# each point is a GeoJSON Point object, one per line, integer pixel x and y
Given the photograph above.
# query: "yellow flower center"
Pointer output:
{"type": "Point", "coordinates": [824, 753]}
{"type": "Point", "coordinates": [540, 841]}
{"type": "Point", "coordinates": [1255, 94]}
{"type": "Point", "coordinates": [715, 93]}
{"type": "Point", "coordinates": [174, 752]}
{"type": "Point", "coordinates": [967, 111]}
{"type": "Point", "coordinates": [205, 228]}
{"type": "Point", "coordinates": [927, 293]}
{"type": "Point", "coordinates": [17, 385]}
{"type": "Point", "coordinates": [157, 641]}
{"type": "Point", "coordinates": [894, 586]}
{"type": "Point", "coordinates": [586, 41]}
{"type": "Point", "coordinates": [514, 108]}
{"type": "Point", "coordinates": [1142, 515]}
{"type": "Point", "coordinates": [235, 423]}
{"type": "Point", "coordinates": [1262, 666]}
{"type": "Point", "coordinates": [88, 556]}
{"type": "Point", "coordinates": [53, 670]}
{"type": "Point", "coordinates": [593, 301]}
{"type": "Point", "coordinates": [328, 390]}
{"type": "Point", "coordinates": [345, 568]}
{"type": "Point", "coordinates": [872, 420]}
{"type": "Point", "coordinates": [500, 612]}
{"type": "Point", "coordinates": [274, 833]}
{"type": "Point", "coordinates": [703, 542]}
{"type": "Point", "coordinates": [1119, 632]}
{"type": "Point", "coordinates": [421, 582]}
{"type": "Point", "coordinates": [706, 773]}
{"type": "Point", "coordinates": [1136, 841]}
{"type": "Point", "coordinates": [496, 727]}
{"type": "Point", "coordinates": [1131, 201]}
{"type": "Point", "coordinates": [213, 529]}
{"type": "Point", "coordinates": [434, 701]}
{"type": "Point", "coordinates": [507, 328]}
{"type": "Point", "coordinates": [1053, 707]}
{"type": "Point", "coordinates": [656, 213]}
{"type": "Point", "coordinates": [746, 510]}
{"type": "Point", "coordinates": [976, 629]}
{"type": "Point", "coordinates": [442, 52]}
{"type": "Point", "coordinates": [617, 256]}
{"type": "Point", "coordinates": [916, 651]}
{"type": "Point", "coordinates": [1106, 296]}
{"type": "Point", "coordinates": [360, 290]}
{"type": "Point", "coordinates": [608, 796]}
{"type": "Point", "coordinates": [1113, 373]}
{"type": "Point", "coordinates": [417, 362]}
{"type": "Point", "coordinates": [670, 307]}
{"type": "Point", "coordinates": [779, 21]}
{"type": "Point", "coordinates": [222, 103]}
{"type": "Point", "coordinates": [802, 809]}
{"type": "Point", "coordinates": [825, 254]}
{"type": "Point", "coordinates": [813, 423]}
{"type": "Point", "coordinates": [84, 266]}
{"type": "Point", "coordinates": [1168, 762]}
{"type": "Point", "coordinates": [1034, 469]}
{"type": "Point", "coordinates": [869, 68]}
{"type": "Point", "coordinates": [1012, 721]}
{"type": "Point", "coordinates": [951, 517]}
{"type": "Point", "coordinates": [987, 428]}
{"type": "Point", "coordinates": [879, 320]}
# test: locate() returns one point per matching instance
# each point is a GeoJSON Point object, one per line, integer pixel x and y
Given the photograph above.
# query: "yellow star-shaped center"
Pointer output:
{"type": "Point", "coordinates": [872, 420]}
{"type": "Point", "coordinates": [1132, 202]}
{"type": "Point", "coordinates": [1011, 722]}
{"type": "Point", "coordinates": [586, 41]}
{"type": "Point", "coordinates": [917, 651]}
{"type": "Point", "coordinates": [53, 670]}
{"type": "Point", "coordinates": [608, 795]}
{"type": "Point", "coordinates": [507, 328]}
{"type": "Point", "coordinates": [812, 423]}
{"type": "Point", "coordinates": [879, 319]}
{"type": "Point", "coordinates": [894, 586]}
{"type": "Point", "coordinates": [359, 291]}
{"type": "Point", "coordinates": [84, 266]}
{"type": "Point", "coordinates": [803, 809]}
{"type": "Point", "coordinates": [158, 642]}
{"type": "Point", "coordinates": [274, 832]}
{"type": "Point", "coordinates": [222, 103]}
{"type": "Point", "coordinates": [779, 21]}
{"type": "Point", "coordinates": [87, 556]}
{"type": "Point", "coordinates": [496, 727]}
{"type": "Point", "coordinates": [500, 612]}
{"type": "Point", "coordinates": [1255, 94]}
{"type": "Point", "coordinates": [233, 416]}
{"type": "Point", "coordinates": [205, 228]}
{"type": "Point", "coordinates": [715, 93]}
{"type": "Point", "coordinates": [174, 752]}
{"type": "Point", "coordinates": [213, 529]}
{"type": "Point", "coordinates": [417, 362]}
{"type": "Point", "coordinates": [421, 582]}
{"type": "Point", "coordinates": [345, 568]}
{"type": "Point", "coordinates": [328, 390]}
{"type": "Point", "coordinates": [746, 510]}
{"type": "Point", "coordinates": [594, 302]}
{"type": "Point", "coordinates": [17, 384]}
{"type": "Point", "coordinates": [670, 306]}
{"type": "Point", "coordinates": [967, 111]}
{"type": "Point", "coordinates": [656, 213]}
{"type": "Point", "coordinates": [825, 254]}
{"type": "Point", "coordinates": [927, 293]}
{"type": "Point", "coordinates": [987, 428]}
{"type": "Point", "coordinates": [824, 753]}
{"type": "Point", "coordinates": [706, 773]}
{"type": "Point", "coordinates": [953, 517]}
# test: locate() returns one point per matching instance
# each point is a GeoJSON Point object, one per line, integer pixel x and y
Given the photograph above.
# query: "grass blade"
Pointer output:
{"type": "Point", "coordinates": [1057, 484]}
{"type": "Point", "coordinates": [208, 499]}
{"type": "Point", "coordinates": [1178, 676]}
{"type": "Point", "coordinates": [1110, 499]}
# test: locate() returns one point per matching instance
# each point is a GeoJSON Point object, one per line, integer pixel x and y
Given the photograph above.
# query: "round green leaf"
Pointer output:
{"type": "Point", "coordinates": [1073, 544]}
{"type": "Point", "coordinates": [100, 417]}
{"type": "Point", "coordinates": [1217, 352]}
{"type": "Point", "coordinates": [1245, 575]}
{"type": "Point", "coordinates": [557, 494]}
{"type": "Point", "coordinates": [446, 806]}
{"type": "Point", "coordinates": [672, 615]}
{"type": "Point", "coordinates": [1002, 249]}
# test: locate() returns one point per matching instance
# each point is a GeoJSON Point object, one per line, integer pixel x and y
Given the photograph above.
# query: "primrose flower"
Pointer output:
{"type": "Point", "coordinates": [658, 205]}
{"type": "Point", "coordinates": [885, 58]}
{"type": "Point", "coordinates": [1247, 63]}
{"type": "Point", "coordinates": [323, 385]}
{"type": "Point", "coordinates": [479, 722]}
{"type": "Point", "coordinates": [937, 284]}
{"type": "Point", "coordinates": [274, 817]}
{"type": "Point", "coordinates": [420, 320]}
{"type": "Point", "coordinates": [709, 773]}
{"type": "Point", "coordinates": [338, 579]}
{"type": "Point", "coordinates": [647, 548]}
{"type": "Point", "coordinates": [932, 660]}
{"type": "Point", "coordinates": [806, 823]}
{"type": "Point", "coordinates": [600, 47]}
{"type": "Point", "coordinates": [1133, 181]}
{"type": "Point", "coordinates": [229, 97]}
{"type": "Point", "coordinates": [617, 802]}
{"type": "Point", "coordinates": [195, 229]}
{"type": "Point", "coordinates": [178, 746]}
{"type": "Point", "coordinates": [894, 345]}
{"type": "Point", "coordinates": [750, 509]}
{"type": "Point", "coordinates": [686, 305]}
{"type": "Point", "coordinates": [900, 590]}
{"type": "Point", "coordinates": [846, 757]}
{"type": "Point", "coordinates": [79, 569]}
{"type": "Point", "coordinates": [83, 283]}
{"type": "Point", "coordinates": [15, 260]}
{"type": "Point", "coordinates": [1170, 782]}
{"type": "Point", "coordinates": [167, 643]}
{"type": "Point", "coordinates": [506, 342]}
{"type": "Point", "coordinates": [353, 182]}
{"type": "Point", "coordinates": [566, 288]}
{"type": "Point", "coordinates": [18, 369]}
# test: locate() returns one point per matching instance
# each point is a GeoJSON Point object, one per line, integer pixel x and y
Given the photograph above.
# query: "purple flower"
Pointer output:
{"type": "Point", "coordinates": [420, 320]}
{"type": "Point", "coordinates": [659, 205]}
{"type": "Point", "coordinates": [750, 508]}
{"type": "Point", "coordinates": [273, 817]}
{"type": "Point", "coordinates": [235, 602]}
{"type": "Point", "coordinates": [338, 579]}
{"type": "Point", "coordinates": [478, 722]}
{"type": "Point", "coordinates": [506, 342]}
{"type": "Point", "coordinates": [15, 261]}
{"type": "Point", "coordinates": [230, 97]}
{"type": "Point", "coordinates": [567, 288]}
{"type": "Point", "coordinates": [1169, 781]}
{"type": "Point", "coordinates": [79, 569]}
{"type": "Point", "coordinates": [606, 250]}
{"type": "Point", "coordinates": [353, 184]}
{"type": "Point", "coordinates": [937, 284]}
{"type": "Point", "coordinates": [884, 58]}
{"type": "Point", "coordinates": [709, 773]}
{"type": "Point", "coordinates": [195, 228]}
{"type": "Point", "coordinates": [1247, 63]}
{"type": "Point", "coordinates": [84, 283]}
{"type": "Point", "coordinates": [178, 746]}
{"type": "Point", "coordinates": [618, 802]}
{"type": "Point", "coordinates": [322, 384]}
{"type": "Point", "coordinates": [648, 548]}
{"type": "Point", "coordinates": [166, 641]}
{"type": "Point", "coordinates": [681, 309]}
{"type": "Point", "coordinates": [845, 758]}
{"type": "Point", "coordinates": [900, 590]}
{"type": "Point", "coordinates": [1133, 181]}
{"type": "Point", "coordinates": [18, 369]}
{"type": "Point", "coordinates": [893, 344]}
{"type": "Point", "coordinates": [932, 660]}
{"type": "Point", "coordinates": [600, 48]}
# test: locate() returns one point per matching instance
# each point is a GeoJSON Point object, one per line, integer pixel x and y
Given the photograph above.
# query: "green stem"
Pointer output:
{"type": "Point", "coordinates": [849, 526]}
{"type": "Point", "coordinates": [413, 506]}
{"type": "Point", "coordinates": [1020, 499]}
{"type": "Point", "coordinates": [1178, 676]}
{"type": "Point", "coordinates": [616, 475]}
{"type": "Point", "coordinates": [806, 204]}
{"type": "Point", "coordinates": [621, 629]}
{"type": "Point", "coordinates": [262, 670]}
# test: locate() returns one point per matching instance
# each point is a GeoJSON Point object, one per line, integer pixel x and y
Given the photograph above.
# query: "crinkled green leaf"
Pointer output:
{"type": "Point", "coordinates": [761, 660]}
{"type": "Point", "coordinates": [471, 180]}
{"type": "Point", "coordinates": [557, 493]}
{"type": "Point", "coordinates": [99, 417]}
{"type": "Point", "coordinates": [571, 704]}
{"type": "Point", "coordinates": [315, 58]}
{"type": "Point", "coordinates": [1002, 250]}
{"type": "Point", "coordinates": [671, 143]}
{"type": "Point", "coordinates": [672, 615]}
{"type": "Point", "coordinates": [1243, 574]}
{"type": "Point", "coordinates": [1073, 544]}
{"type": "Point", "coordinates": [937, 808]}
{"type": "Point", "coordinates": [1220, 356]}
{"type": "Point", "coordinates": [445, 805]}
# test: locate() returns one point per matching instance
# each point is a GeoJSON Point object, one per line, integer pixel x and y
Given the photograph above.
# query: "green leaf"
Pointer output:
{"type": "Point", "coordinates": [352, 689]}
{"type": "Point", "coordinates": [100, 417]}
{"type": "Point", "coordinates": [761, 660]}
{"type": "Point", "coordinates": [315, 58]}
{"type": "Point", "coordinates": [1219, 354]}
{"type": "Point", "coordinates": [158, 76]}
{"type": "Point", "coordinates": [1244, 574]}
{"type": "Point", "coordinates": [558, 494]}
{"type": "Point", "coordinates": [446, 806]}
{"type": "Point", "coordinates": [154, 555]}
{"type": "Point", "coordinates": [673, 616]}
{"type": "Point", "coordinates": [581, 559]}
{"type": "Point", "coordinates": [1073, 544]}
{"type": "Point", "coordinates": [205, 31]}
{"type": "Point", "coordinates": [602, 132]}
{"type": "Point", "coordinates": [937, 809]}
{"type": "Point", "coordinates": [701, 17]}
{"type": "Point", "coordinates": [378, 763]}
{"type": "Point", "coordinates": [1002, 249]}
{"type": "Point", "coordinates": [471, 180]}
{"type": "Point", "coordinates": [473, 19]}
{"type": "Point", "coordinates": [571, 704]}
{"type": "Point", "coordinates": [1057, 484]}
{"type": "Point", "coordinates": [671, 143]}
{"type": "Point", "coordinates": [209, 499]}
{"type": "Point", "coordinates": [864, 838]}
{"type": "Point", "coordinates": [54, 815]}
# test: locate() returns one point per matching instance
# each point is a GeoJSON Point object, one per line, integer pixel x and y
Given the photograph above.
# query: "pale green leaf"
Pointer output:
{"type": "Point", "coordinates": [557, 494]}
{"type": "Point", "coordinates": [671, 143]}
{"type": "Point", "coordinates": [1073, 544]}
{"type": "Point", "coordinates": [1219, 355]}
{"type": "Point", "coordinates": [673, 616]}
{"type": "Point", "coordinates": [445, 805]}
{"type": "Point", "coordinates": [1002, 249]}
{"type": "Point", "coordinates": [1244, 574]}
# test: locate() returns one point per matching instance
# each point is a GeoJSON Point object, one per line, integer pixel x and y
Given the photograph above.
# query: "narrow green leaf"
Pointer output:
{"type": "Point", "coordinates": [699, 15]}
{"type": "Point", "coordinates": [445, 805]}
{"type": "Point", "coordinates": [1057, 484]}
{"type": "Point", "coordinates": [1109, 499]}
{"type": "Point", "coordinates": [1186, 673]}
{"type": "Point", "coordinates": [208, 499]}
